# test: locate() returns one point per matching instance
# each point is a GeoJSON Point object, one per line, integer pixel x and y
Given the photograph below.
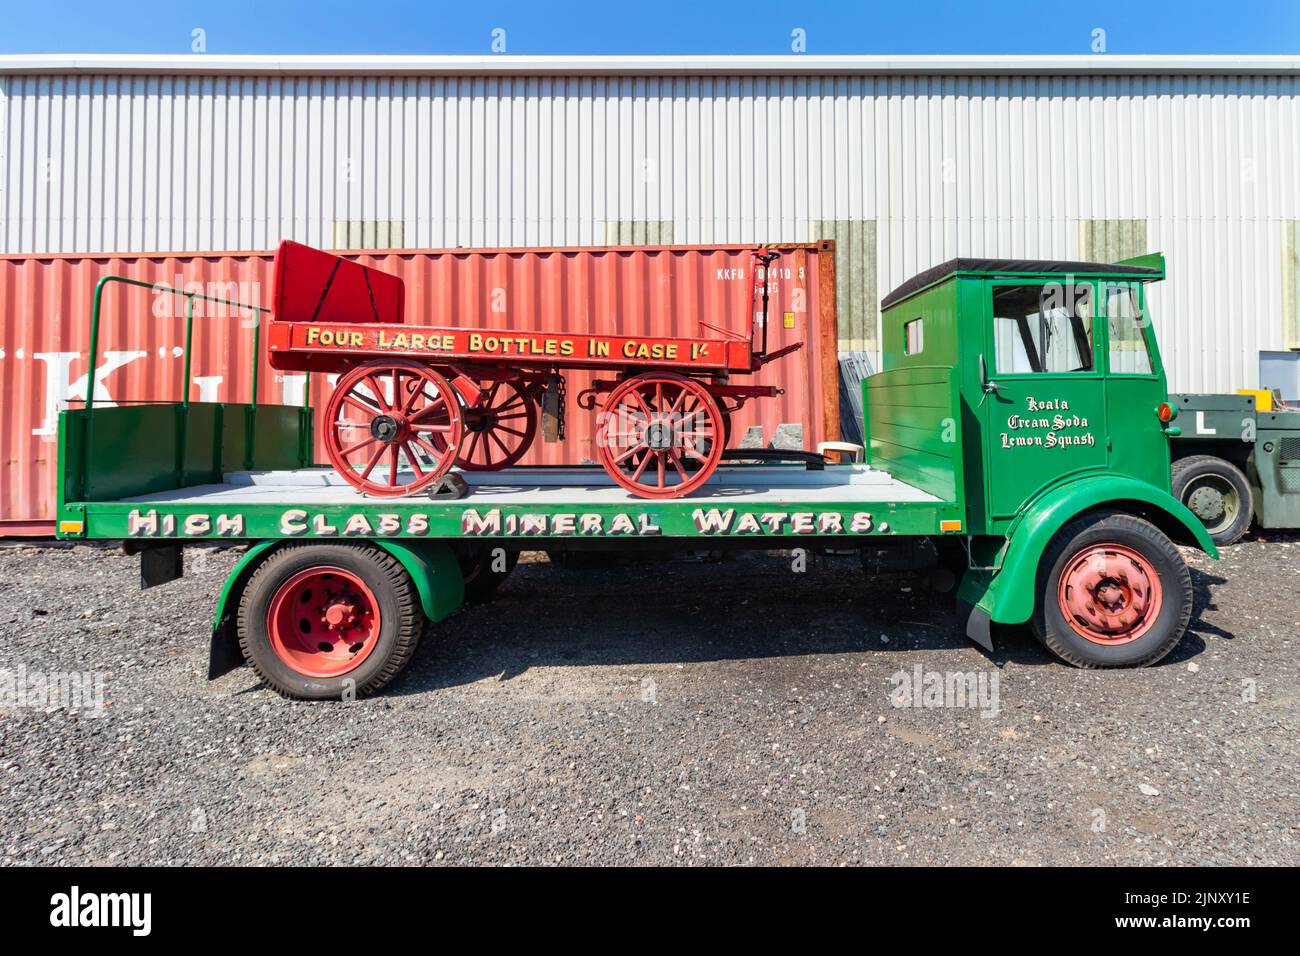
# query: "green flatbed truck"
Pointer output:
{"type": "Point", "coordinates": [1017, 436]}
{"type": "Point", "coordinates": [1234, 463]}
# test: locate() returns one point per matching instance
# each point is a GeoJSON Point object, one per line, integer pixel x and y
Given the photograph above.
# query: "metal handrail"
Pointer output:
{"type": "Point", "coordinates": [183, 423]}
{"type": "Point", "coordinates": [190, 298]}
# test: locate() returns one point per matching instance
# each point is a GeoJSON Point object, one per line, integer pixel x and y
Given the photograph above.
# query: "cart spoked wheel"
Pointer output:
{"type": "Point", "coordinates": [329, 621]}
{"type": "Point", "coordinates": [707, 445]}
{"type": "Point", "coordinates": [660, 435]}
{"type": "Point", "coordinates": [499, 428]}
{"type": "Point", "coordinates": [1113, 592]}
{"type": "Point", "coordinates": [392, 428]}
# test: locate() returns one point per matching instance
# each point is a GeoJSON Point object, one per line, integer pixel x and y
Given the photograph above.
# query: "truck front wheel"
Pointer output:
{"type": "Point", "coordinates": [1218, 493]}
{"type": "Point", "coordinates": [332, 621]}
{"type": "Point", "coordinates": [1113, 592]}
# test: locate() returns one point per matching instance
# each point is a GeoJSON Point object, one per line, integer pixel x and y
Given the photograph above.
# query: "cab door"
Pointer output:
{"type": "Point", "coordinates": [1135, 385]}
{"type": "Point", "coordinates": [1042, 401]}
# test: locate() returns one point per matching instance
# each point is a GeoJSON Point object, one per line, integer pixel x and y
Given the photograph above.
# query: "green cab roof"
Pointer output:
{"type": "Point", "coordinates": [1146, 268]}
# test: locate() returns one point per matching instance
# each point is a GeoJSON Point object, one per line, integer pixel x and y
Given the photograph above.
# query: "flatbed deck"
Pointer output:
{"type": "Point", "coordinates": [744, 500]}
{"type": "Point", "coordinates": [568, 486]}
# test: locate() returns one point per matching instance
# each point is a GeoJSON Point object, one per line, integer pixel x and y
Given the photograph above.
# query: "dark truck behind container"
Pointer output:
{"type": "Point", "coordinates": [1234, 462]}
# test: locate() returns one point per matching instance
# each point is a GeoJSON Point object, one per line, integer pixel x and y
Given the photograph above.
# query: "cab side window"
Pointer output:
{"type": "Point", "coordinates": [1042, 328]}
{"type": "Point", "coordinates": [1127, 350]}
{"type": "Point", "coordinates": [913, 337]}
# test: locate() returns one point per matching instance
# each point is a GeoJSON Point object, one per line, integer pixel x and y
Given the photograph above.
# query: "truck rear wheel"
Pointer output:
{"type": "Point", "coordinates": [484, 570]}
{"type": "Point", "coordinates": [1113, 591]}
{"type": "Point", "coordinates": [319, 622]}
{"type": "Point", "coordinates": [1218, 493]}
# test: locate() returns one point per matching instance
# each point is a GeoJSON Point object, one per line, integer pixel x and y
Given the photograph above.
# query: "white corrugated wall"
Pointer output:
{"type": "Point", "coordinates": [971, 165]}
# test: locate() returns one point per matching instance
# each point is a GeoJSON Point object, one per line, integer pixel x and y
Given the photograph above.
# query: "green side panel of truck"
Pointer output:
{"type": "Point", "coordinates": [911, 430]}
{"type": "Point", "coordinates": [108, 453]}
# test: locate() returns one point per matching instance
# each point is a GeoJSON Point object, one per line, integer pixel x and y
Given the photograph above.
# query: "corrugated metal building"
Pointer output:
{"type": "Point", "coordinates": [904, 161]}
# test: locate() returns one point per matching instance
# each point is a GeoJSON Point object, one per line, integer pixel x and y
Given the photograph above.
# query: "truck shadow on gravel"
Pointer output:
{"type": "Point", "coordinates": [745, 608]}
{"type": "Point", "coordinates": [1199, 630]}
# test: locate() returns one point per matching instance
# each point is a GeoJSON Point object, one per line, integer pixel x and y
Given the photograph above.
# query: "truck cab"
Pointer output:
{"type": "Point", "coordinates": [1062, 419]}
{"type": "Point", "coordinates": [1059, 372]}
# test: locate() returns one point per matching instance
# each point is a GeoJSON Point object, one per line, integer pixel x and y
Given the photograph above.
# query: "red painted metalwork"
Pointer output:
{"type": "Point", "coordinates": [312, 347]}
{"type": "Point", "coordinates": [652, 291]}
{"type": "Point", "coordinates": [323, 622]}
{"type": "Point", "coordinates": [392, 428]}
{"type": "Point", "coordinates": [314, 286]}
{"type": "Point", "coordinates": [1110, 594]}
{"type": "Point", "coordinates": [670, 432]}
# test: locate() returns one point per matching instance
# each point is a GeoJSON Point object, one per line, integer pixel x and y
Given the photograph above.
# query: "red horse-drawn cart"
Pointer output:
{"type": "Point", "coordinates": [414, 400]}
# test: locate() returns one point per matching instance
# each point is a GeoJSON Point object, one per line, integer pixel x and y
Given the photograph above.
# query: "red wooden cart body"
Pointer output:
{"type": "Point", "coordinates": [433, 395]}
{"type": "Point", "coordinates": [332, 314]}
{"type": "Point", "coordinates": [335, 347]}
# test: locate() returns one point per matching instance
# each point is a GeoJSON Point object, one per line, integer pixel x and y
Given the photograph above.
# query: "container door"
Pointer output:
{"type": "Point", "coordinates": [1043, 403]}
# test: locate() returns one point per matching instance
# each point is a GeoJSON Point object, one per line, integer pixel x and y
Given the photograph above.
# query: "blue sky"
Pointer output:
{"type": "Point", "coordinates": [669, 26]}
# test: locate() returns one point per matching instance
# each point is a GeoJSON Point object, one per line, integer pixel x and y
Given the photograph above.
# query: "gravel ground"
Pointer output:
{"type": "Point", "coordinates": [682, 712]}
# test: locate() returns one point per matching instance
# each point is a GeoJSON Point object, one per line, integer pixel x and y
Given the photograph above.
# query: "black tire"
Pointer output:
{"type": "Point", "coordinates": [476, 566]}
{"type": "Point", "coordinates": [401, 619]}
{"type": "Point", "coordinates": [1148, 541]}
{"type": "Point", "coordinates": [1207, 484]}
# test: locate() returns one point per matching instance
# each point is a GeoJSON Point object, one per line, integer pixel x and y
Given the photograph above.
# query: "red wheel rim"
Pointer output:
{"type": "Point", "coordinates": [392, 429]}
{"type": "Point", "coordinates": [1110, 594]}
{"type": "Point", "coordinates": [660, 435]}
{"type": "Point", "coordinates": [499, 428]}
{"type": "Point", "coordinates": [323, 622]}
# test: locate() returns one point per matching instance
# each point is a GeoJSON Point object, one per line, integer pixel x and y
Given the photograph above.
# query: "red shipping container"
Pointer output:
{"type": "Point", "coordinates": [46, 302]}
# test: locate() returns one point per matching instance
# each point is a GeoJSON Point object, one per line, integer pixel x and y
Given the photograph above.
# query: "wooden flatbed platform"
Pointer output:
{"type": "Point", "coordinates": [558, 487]}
